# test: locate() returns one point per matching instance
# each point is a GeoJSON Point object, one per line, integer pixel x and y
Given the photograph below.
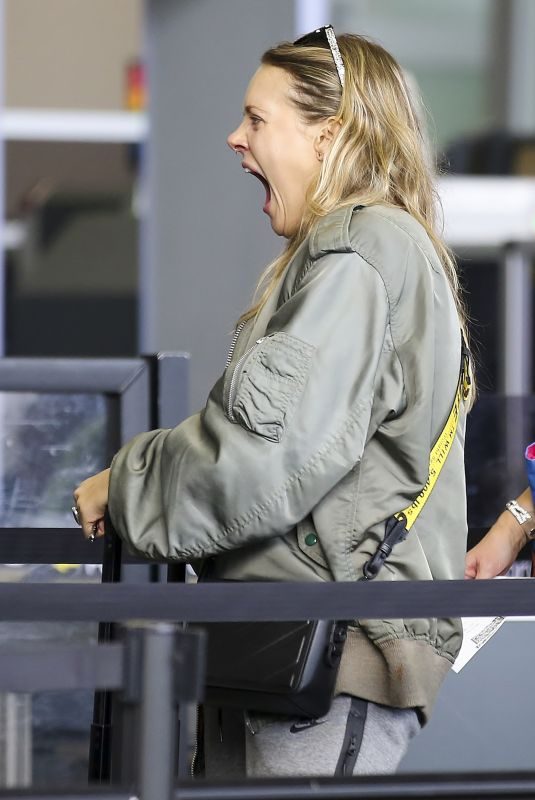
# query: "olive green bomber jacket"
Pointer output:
{"type": "Point", "coordinates": [320, 429]}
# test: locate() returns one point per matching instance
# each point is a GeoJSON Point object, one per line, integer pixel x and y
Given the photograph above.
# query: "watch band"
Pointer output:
{"type": "Point", "coordinates": [524, 518]}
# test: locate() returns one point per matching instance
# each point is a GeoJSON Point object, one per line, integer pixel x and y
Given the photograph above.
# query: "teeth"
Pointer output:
{"type": "Point", "coordinates": [247, 170]}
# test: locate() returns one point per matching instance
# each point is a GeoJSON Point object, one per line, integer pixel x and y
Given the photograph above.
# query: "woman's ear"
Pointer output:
{"type": "Point", "coordinates": [326, 135]}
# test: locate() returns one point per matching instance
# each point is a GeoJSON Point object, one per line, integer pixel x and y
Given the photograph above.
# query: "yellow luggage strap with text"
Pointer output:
{"type": "Point", "coordinates": [398, 525]}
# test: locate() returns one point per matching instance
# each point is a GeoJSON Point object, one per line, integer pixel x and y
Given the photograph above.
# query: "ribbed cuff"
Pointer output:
{"type": "Point", "coordinates": [401, 673]}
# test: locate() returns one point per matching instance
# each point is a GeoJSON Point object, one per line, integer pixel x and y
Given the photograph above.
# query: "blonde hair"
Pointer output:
{"type": "Point", "coordinates": [379, 154]}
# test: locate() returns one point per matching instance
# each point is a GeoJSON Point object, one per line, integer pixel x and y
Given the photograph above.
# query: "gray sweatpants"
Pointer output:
{"type": "Point", "coordinates": [356, 737]}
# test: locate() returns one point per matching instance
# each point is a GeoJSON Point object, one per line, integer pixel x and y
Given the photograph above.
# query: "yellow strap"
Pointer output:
{"type": "Point", "coordinates": [63, 568]}
{"type": "Point", "coordinates": [441, 449]}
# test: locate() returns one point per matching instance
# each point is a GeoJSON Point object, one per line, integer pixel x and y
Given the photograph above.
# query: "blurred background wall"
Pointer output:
{"type": "Point", "coordinates": [78, 257]}
{"type": "Point", "coordinates": [69, 53]}
{"type": "Point", "coordinates": [208, 240]}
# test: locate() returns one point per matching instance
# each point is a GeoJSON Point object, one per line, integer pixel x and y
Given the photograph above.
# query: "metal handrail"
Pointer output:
{"type": "Point", "coordinates": [225, 602]}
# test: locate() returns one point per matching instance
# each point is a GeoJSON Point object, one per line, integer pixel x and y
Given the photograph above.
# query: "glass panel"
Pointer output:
{"type": "Point", "coordinates": [47, 732]}
{"type": "Point", "coordinates": [446, 45]}
{"type": "Point", "coordinates": [483, 718]}
{"type": "Point", "coordinates": [48, 444]}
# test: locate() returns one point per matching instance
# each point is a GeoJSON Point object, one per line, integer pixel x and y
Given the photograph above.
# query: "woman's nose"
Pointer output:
{"type": "Point", "coordinates": [236, 140]}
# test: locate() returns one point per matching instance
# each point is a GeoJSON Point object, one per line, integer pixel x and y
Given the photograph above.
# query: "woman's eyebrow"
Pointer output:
{"type": "Point", "coordinates": [250, 109]}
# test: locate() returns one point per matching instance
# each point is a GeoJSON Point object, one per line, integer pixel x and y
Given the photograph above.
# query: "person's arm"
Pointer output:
{"type": "Point", "coordinates": [275, 436]}
{"type": "Point", "coordinates": [495, 553]}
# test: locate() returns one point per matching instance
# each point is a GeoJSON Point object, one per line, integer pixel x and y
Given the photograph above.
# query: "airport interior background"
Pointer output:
{"type": "Point", "coordinates": [126, 229]}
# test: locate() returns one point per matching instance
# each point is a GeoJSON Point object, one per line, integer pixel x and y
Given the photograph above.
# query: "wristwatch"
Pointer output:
{"type": "Point", "coordinates": [524, 518]}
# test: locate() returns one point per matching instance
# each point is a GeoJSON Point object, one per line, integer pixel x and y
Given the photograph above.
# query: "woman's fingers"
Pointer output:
{"type": "Point", "coordinates": [91, 528]}
{"type": "Point", "coordinates": [90, 501]}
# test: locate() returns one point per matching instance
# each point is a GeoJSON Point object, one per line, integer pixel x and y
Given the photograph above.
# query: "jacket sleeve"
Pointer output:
{"type": "Point", "coordinates": [277, 433]}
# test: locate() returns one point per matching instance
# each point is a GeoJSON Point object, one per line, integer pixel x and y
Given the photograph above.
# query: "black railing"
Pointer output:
{"type": "Point", "coordinates": [168, 668]}
{"type": "Point", "coordinates": [240, 602]}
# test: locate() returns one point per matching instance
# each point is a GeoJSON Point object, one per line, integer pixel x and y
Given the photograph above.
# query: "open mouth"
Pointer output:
{"type": "Point", "coordinates": [264, 183]}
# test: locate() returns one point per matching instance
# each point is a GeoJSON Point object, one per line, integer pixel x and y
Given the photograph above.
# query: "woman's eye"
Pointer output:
{"type": "Point", "coordinates": [255, 121]}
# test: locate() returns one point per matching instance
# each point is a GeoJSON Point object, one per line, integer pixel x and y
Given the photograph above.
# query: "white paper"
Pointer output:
{"type": "Point", "coordinates": [476, 633]}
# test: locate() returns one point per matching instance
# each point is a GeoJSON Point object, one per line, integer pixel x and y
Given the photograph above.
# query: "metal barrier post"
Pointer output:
{"type": "Point", "coordinates": [15, 739]}
{"type": "Point", "coordinates": [158, 733]}
{"type": "Point", "coordinates": [176, 573]}
{"type": "Point", "coordinates": [100, 744]}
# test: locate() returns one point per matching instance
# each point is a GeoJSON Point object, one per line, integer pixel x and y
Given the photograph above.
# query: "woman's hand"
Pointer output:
{"type": "Point", "coordinates": [496, 552]}
{"type": "Point", "coordinates": [91, 499]}
{"type": "Point", "coordinates": [500, 546]}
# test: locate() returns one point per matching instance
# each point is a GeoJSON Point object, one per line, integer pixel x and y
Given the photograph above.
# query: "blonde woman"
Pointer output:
{"type": "Point", "coordinates": [339, 381]}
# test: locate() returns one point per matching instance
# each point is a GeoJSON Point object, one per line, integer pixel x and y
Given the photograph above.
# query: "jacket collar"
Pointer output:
{"type": "Point", "coordinates": [331, 233]}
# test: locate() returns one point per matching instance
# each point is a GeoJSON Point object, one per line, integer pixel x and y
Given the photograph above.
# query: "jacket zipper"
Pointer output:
{"type": "Point", "coordinates": [235, 376]}
{"type": "Point", "coordinates": [233, 343]}
{"type": "Point", "coordinates": [196, 747]}
{"type": "Point", "coordinates": [350, 753]}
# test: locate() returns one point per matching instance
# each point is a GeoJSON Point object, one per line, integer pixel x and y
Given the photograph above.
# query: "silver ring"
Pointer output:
{"type": "Point", "coordinates": [76, 514]}
{"type": "Point", "coordinates": [94, 530]}
{"type": "Point", "coordinates": [91, 537]}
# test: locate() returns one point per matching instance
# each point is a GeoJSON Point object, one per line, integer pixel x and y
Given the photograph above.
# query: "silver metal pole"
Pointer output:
{"type": "Point", "coordinates": [520, 96]}
{"type": "Point", "coordinates": [147, 274]}
{"type": "Point", "coordinates": [158, 714]}
{"type": "Point", "coordinates": [516, 354]}
{"type": "Point", "coordinates": [15, 740]}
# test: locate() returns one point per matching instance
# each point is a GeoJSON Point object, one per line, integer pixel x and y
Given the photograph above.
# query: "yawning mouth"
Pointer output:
{"type": "Point", "coordinates": [265, 184]}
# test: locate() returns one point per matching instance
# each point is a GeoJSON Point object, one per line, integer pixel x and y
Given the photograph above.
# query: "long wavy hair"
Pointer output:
{"type": "Point", "coordinates": [379, 154]}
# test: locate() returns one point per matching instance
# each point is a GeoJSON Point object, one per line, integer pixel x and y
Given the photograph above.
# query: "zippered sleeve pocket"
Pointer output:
{"type": "Point", "coordinates": [266, 384]}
